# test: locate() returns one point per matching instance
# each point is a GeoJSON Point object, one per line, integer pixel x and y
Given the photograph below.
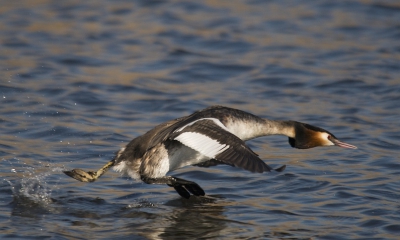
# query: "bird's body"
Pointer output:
{"type": "Point", "coordinates": [212, 136]}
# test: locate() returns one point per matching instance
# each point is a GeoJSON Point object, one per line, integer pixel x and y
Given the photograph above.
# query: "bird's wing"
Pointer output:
{"type": "Point", "coordinates": [212, 139]}
{"type": "Point", "coordinates": [211, 163]}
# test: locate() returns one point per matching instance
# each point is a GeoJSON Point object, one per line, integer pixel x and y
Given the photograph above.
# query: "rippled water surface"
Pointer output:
{"type": "Point", "coordinates": [80, 79]}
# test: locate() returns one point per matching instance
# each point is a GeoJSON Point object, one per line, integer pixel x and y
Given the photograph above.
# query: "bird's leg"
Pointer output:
{"type": "Point", "coordinates": [183, 187]}
{"type": "Point", "coordinates": [89, 176]}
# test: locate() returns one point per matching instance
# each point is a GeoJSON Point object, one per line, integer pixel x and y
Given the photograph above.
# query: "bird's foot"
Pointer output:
{"type": "Point", "coordinates": [81, 175]}
{"type": "Point", "coordinates": [183, 187]}
{"type": "Point", "coordinates": [89, 176]}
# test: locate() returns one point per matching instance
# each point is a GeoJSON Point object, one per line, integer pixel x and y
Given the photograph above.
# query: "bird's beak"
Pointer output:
{"type": "Point", "coordinates": [342, 144]}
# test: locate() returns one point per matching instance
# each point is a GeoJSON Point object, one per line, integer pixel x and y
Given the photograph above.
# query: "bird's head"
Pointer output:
{"type": "Point", "coordinates": [308, 136]}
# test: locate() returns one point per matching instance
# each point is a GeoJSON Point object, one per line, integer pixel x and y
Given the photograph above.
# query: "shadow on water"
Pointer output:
{"type": "Point", "coordinates": [198, 217]}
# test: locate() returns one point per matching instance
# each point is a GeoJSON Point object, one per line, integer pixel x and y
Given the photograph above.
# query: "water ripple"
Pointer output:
{"type": "Point", "coordinates": [80, 79]}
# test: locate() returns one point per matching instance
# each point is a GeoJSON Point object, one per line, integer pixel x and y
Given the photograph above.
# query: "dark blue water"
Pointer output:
{"type": "Point", "coordinates": [80, 79]}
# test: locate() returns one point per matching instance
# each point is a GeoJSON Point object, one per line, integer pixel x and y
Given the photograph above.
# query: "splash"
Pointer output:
{"type": "Point", "coordinates": [33, 187]}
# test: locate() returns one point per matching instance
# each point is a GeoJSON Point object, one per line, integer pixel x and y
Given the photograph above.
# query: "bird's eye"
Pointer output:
{"type": "Point", "coordinates": [329, 137]}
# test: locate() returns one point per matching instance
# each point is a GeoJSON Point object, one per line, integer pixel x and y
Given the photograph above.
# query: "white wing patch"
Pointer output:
{"type": "Point", "coordinates": [216, 121]}
{"type": "Point", "coordinates": [202, 143]}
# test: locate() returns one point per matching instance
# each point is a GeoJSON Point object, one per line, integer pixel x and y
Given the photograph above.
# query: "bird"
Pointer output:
{"type": "Point", "coordinates": [208, 137]}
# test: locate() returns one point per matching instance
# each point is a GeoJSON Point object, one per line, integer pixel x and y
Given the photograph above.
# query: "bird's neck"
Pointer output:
{"type": "Point", "coordinates": [278, 127]}
{"type": "Point", "coordinates": [247, 130]}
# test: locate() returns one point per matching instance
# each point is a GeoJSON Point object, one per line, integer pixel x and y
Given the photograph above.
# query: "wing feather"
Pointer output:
{"type": "Point", "coordinates": [208, 137]}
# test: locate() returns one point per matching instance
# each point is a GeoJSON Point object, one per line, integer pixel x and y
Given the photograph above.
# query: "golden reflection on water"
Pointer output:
{"type": "Point", "coordinates": [61, 51]}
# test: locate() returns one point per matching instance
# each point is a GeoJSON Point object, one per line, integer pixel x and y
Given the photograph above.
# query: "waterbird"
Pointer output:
{"type": "Point", "coordinates": [212, 136]}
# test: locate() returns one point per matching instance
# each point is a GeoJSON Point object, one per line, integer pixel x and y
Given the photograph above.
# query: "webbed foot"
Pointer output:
{"type": "Point", "coordinates": [81, 175]}
{"type": "Point", "coordinates": [89, 176]}
{"type": "Point", "coordinates": [181, 186]}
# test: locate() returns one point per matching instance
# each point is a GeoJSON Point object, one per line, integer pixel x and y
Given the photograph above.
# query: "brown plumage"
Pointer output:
{"type": "Point", "coordinates": [212, 136]}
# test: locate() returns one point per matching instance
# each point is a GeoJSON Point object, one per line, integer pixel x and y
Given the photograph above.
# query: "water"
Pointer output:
{"type": "Point", "coordinates": [80, 79]}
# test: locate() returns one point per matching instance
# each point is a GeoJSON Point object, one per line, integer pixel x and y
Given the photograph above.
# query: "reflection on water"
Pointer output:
{"type": "Point", "coordinates": [80, 79]}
